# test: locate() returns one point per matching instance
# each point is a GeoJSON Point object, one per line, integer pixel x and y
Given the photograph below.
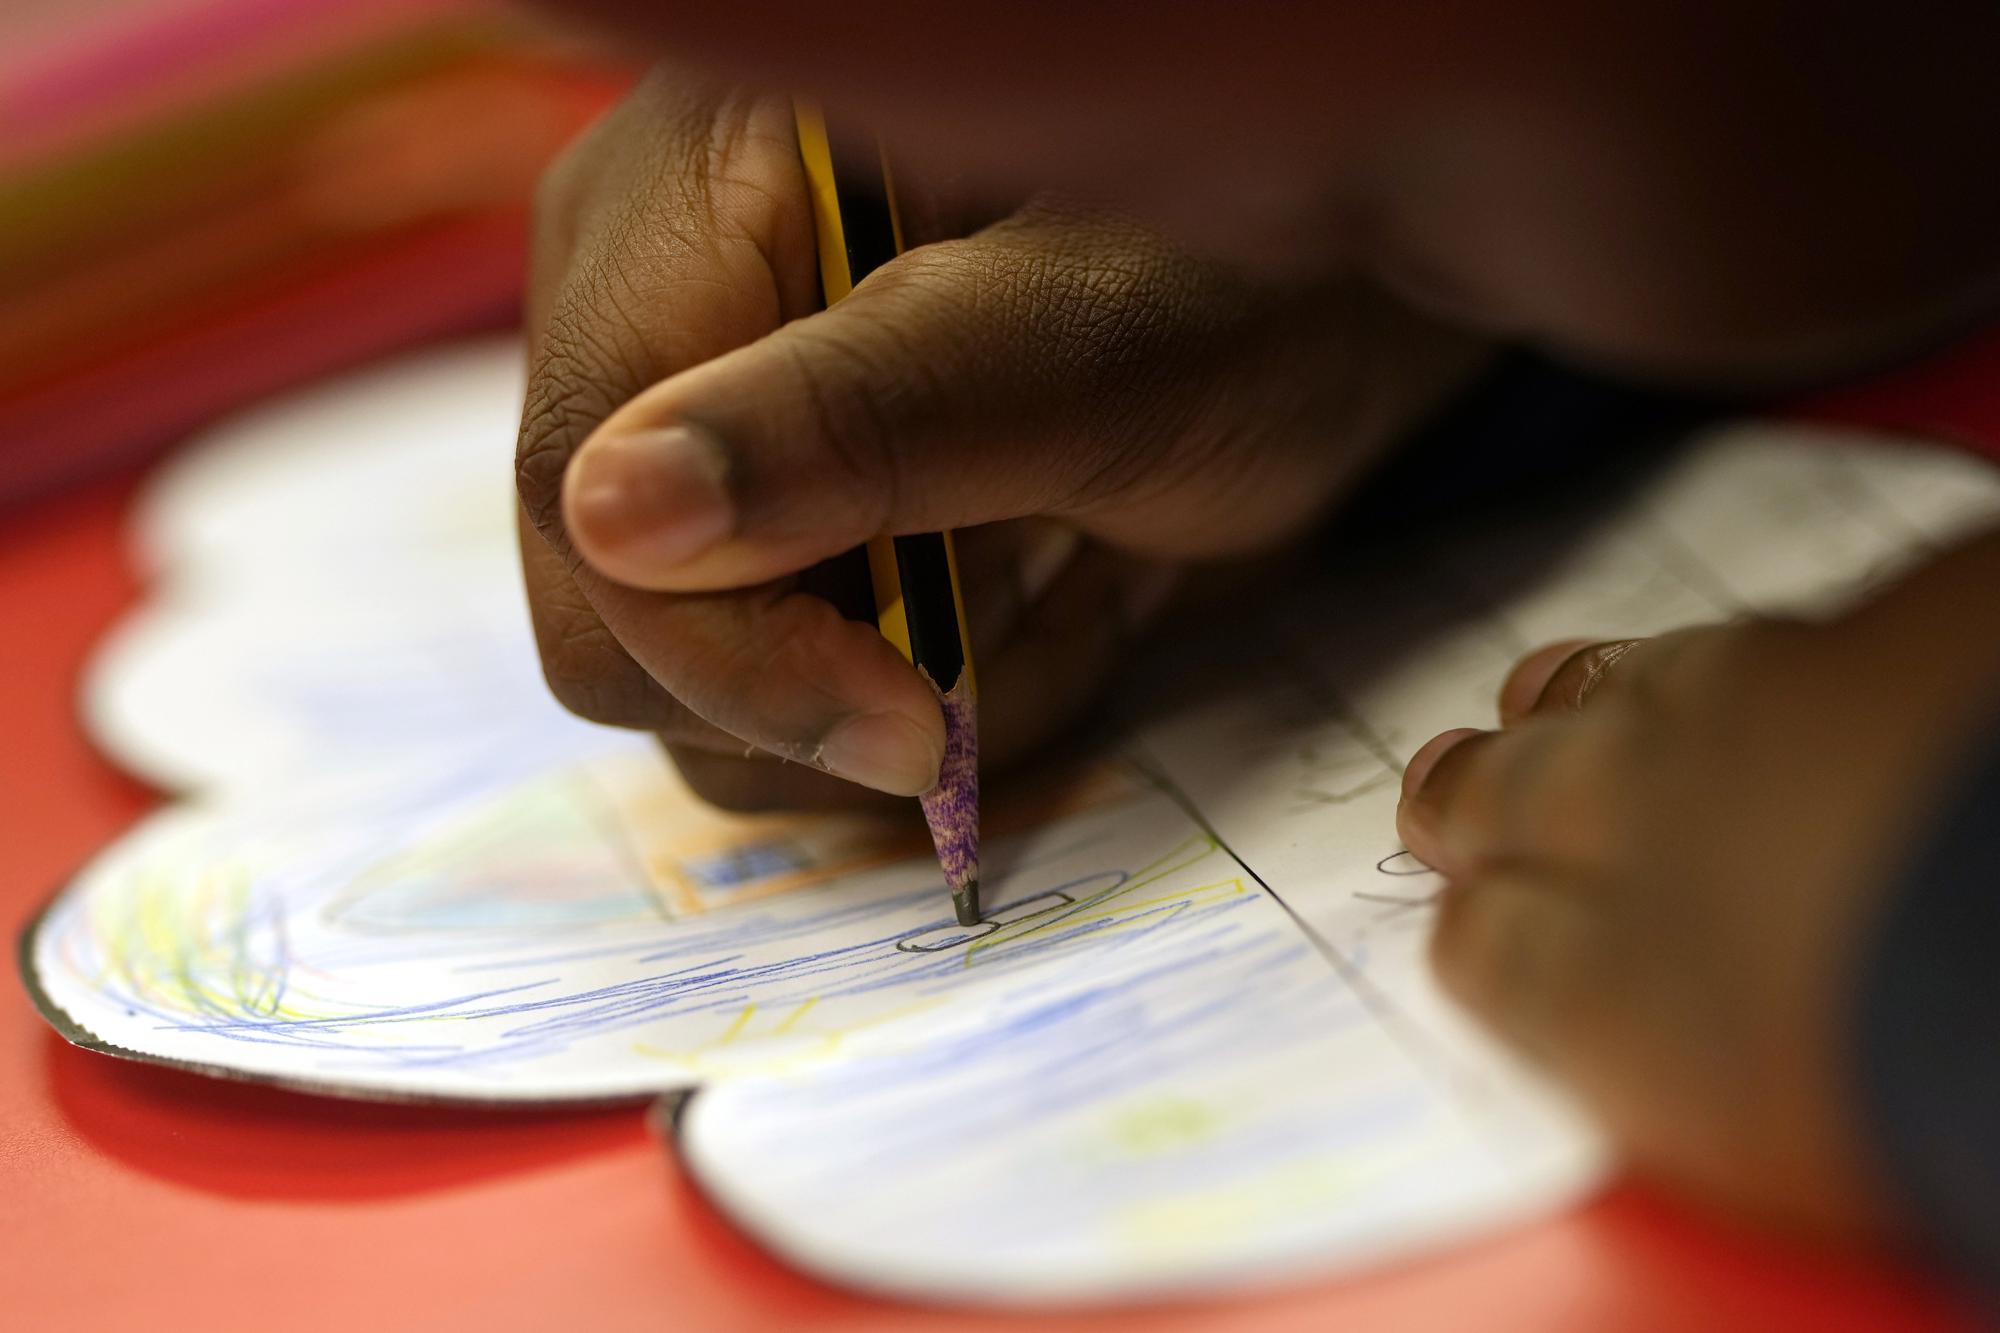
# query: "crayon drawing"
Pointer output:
{"type": "Point", "coordinates": [1194, 1042]}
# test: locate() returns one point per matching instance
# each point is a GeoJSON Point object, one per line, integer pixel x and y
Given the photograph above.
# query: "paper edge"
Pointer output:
{"type": "Point", "coordinates": [67, 1026]}
{"type": "Point", "coordinates": [1587, 1175]}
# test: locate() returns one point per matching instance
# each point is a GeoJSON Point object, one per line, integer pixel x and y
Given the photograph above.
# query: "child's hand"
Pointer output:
{"type": "Point", "coordinates": [1665, 867]}
{"type": "Point", "coordinates": [682, 457]}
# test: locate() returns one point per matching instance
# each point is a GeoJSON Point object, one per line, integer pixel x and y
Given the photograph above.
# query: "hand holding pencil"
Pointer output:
{"type": "Point", "coordinates": [1085, 406]}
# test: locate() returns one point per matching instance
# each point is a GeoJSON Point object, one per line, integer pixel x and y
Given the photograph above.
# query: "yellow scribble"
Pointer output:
{"type": "Point", "coordinates": [787, 1045]}
{"type": "Point", "coordinates": [735, 1030]}
{"type": "Point", "coordinates": [1189, 1223]}
{"type": "Point", "coordinates": [786, 1024]}
{"type": "Point", "coordinates": [1115, 902]}
{"type": "Point", "coordinates": [1163, 1125]}
{"type": "Point", "coordinates": [189, 947]}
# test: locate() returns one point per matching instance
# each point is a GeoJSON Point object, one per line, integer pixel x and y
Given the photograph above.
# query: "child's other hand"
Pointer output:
{"type": "Point", "coordinates": [682, 457]}
{"type": "Point", "coordinates": [1665, 867]}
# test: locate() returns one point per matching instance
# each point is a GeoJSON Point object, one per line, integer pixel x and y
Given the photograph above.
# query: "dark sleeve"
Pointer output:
{"type": "Point", "coordinates": [1527, 425]}
{"type": "Point", "coordinates": [1930, 1030]}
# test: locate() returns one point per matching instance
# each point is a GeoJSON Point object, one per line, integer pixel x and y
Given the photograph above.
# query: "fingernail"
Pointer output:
{"type": "Point", "coordinates": [1425, 759]}
{"type": "Point", "coordinates": [886, 751]}
{"type": "Point", "coordinates": [651, 499]}
{"type": "Point", "coordinates": [1530, 676]}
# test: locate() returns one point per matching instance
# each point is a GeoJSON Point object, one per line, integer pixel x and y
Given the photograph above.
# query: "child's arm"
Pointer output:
{"type": "Point", "coordinates": [1740, 889]}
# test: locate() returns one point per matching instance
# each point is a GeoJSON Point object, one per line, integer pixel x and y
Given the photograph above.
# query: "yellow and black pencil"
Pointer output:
{"type": "Point", "coordinates": [913, 578]}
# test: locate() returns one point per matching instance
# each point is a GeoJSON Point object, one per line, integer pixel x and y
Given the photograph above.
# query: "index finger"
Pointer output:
{"type": "Point", "coordinates": [787, 673]}
{"type": "Point", "coordinates": [675, 231]}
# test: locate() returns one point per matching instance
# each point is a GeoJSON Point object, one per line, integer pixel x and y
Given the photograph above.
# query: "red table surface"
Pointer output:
{"type": "Point", "coordinates": [136, 1197]}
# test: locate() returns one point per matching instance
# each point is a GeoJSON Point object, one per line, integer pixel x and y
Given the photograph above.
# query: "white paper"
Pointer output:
{"type": "Point", "coordinates": [331, 573]}
{"type": "Point", "coordinates": [1196, 1047]}
{"type": "Point", "coordinates": [351, 483]}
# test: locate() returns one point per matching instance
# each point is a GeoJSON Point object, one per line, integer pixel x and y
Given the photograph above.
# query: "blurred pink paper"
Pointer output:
{"type": "Point", "coordinates": [82, 70]}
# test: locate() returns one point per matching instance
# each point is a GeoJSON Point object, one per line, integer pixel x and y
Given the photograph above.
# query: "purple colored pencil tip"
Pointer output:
{"type": "Point", "coordinates": [952, 807]}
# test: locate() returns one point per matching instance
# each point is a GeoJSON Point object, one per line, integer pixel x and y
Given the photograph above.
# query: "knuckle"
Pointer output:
{"type": "Point", "coordinates": [1124, 327]}
{"type": "Point", "coordinates": [647, 137]}
{"type": "Point", "coordinates": [587, 696]}
{"type": "Point", "coordinates": [539, 461]}
{"type": "Point", "coordinates": [1682, 669]}
{"type": "Point", "coordinates": [608, 700]}
{"type": "Point", "coordinates": [1101, 311]}
{"type": "Point", "coordinates": [588, 362]}
{"type": "Point", "coordinates": [1091, 328]}
{"type": "Point", "coordinates": [849, 396]}
{"type": "Point", "coordinates": [1123, 308]}
{"type": "Point", "coordinates": [592, 676]}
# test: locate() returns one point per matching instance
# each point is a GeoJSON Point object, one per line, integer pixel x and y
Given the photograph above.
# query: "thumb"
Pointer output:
{"type": "Point", "coordinates": [1040, 367]}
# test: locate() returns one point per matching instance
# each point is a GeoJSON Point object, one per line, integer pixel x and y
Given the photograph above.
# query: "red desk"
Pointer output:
{"type": "Point", "coordinates": [133, 1197]}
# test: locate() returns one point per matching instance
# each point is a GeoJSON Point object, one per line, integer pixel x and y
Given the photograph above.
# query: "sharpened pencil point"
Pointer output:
{"type": "Point", "coordinates": [952, 807]}
{"type": "Point", "coordinates": [965, 902]}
